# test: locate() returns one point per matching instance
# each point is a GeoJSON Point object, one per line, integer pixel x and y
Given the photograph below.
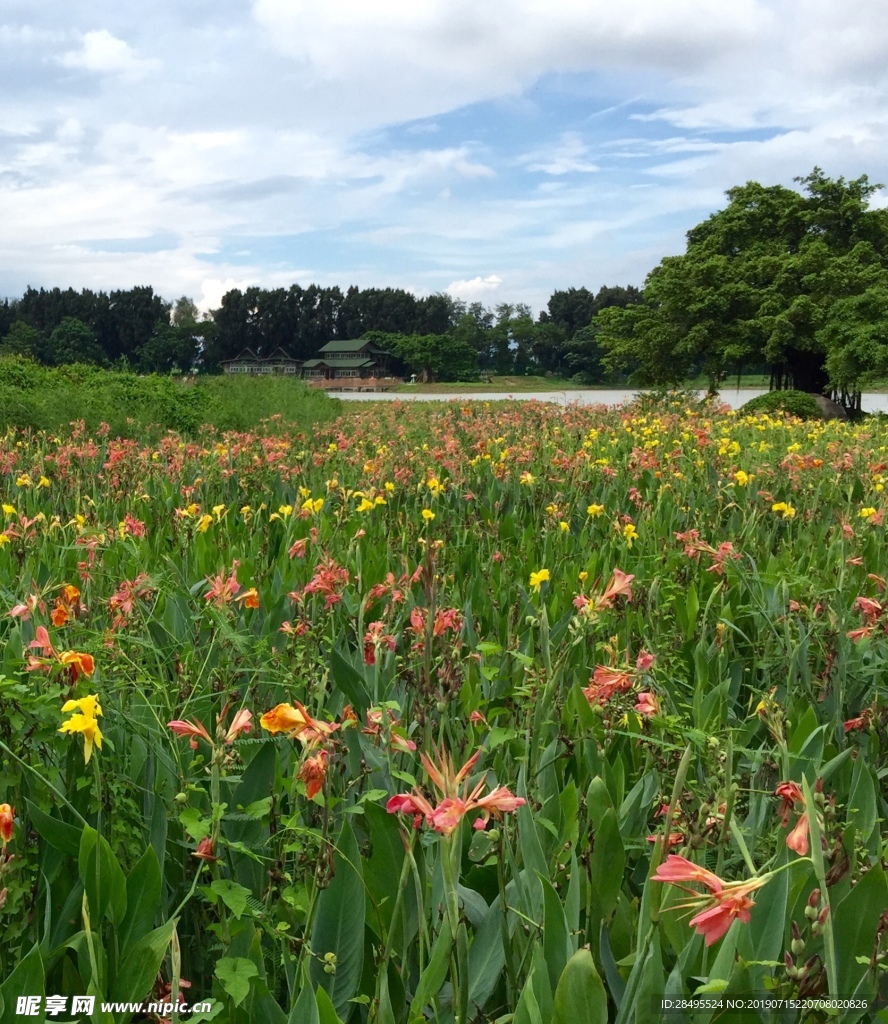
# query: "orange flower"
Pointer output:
{"type": "Point", "coordinates": [313, 772]}
{"type": "Point", "coordinates": [297, 723]}
{"type": "Point", "coordinates": [7, 815]}
{"type": "Point", "coordinates": [78, 664]}
{"type": "Point", "coordinates": [59, 615]}
{"type": "Point", "coordinates": [249, 597]}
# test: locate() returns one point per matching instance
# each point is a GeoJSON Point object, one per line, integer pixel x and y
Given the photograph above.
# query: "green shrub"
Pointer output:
{"type": "Point", "coordinates": [796, 403]}
{"type": "Point", "coordinates": [45, 398]}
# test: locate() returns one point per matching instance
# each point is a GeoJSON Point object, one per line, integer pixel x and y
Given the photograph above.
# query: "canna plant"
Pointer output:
{"type": "Point", "coordinates": [459, 713]}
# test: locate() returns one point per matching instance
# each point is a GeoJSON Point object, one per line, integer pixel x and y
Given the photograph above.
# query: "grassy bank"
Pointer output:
{"type": "Point", "coordinates": [49, 398]}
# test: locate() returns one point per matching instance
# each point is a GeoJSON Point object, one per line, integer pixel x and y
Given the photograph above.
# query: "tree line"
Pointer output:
{"type": "Point", "coordinates": [436, 335]}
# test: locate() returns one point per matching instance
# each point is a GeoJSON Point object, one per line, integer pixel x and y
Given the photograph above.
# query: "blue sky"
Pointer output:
{"type": "Point", "coordinates": [496, 151]}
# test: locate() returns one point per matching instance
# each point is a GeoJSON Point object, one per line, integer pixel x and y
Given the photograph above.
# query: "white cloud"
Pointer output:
{"type": "Point", "coordinates": [569, 156]}
{"type": "Point", "coordinates": [476, 288]}
{"type": "Point", "coordinates": [104, 53]}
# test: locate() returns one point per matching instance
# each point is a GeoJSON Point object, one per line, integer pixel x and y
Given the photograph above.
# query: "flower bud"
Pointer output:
{"type": "Point", "coordinates": [493, 835]}
{"type": "Point", "coordinates": [329, 968]}
{"type": "Point", "coordinates": [181, 798]}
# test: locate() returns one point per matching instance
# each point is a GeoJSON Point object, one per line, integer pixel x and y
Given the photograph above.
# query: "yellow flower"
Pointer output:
{"type": "Point", "coordinates": [527, 479]}
{"type": "Point", "coordinates": [219, 511]}
{"type": "Point", "coordinates": [787, 510]}
{"type": "Point", "coordinates": [365, 505]}
{"type": "Point", "coordinates": [741, 477]}
{"type": "Point", "coordinates": [435, 486]}
{"type": "Point", "coordinates": [537, 579]}
{"type": "Point", "coordinates": [204, 523]}
{"type": "Point", "coordinates": [85, 722]}
{"type": "Point", "coordinates": [23, 481]}
{"type": "Point", "coordinates": [584, 576]}
{"type": "Point", "coordinates": [428, 515]}
{"type": "Point", "coordinates": [595, 510]}
{"type": "Point", "coordinates": [304, 492]}
{"type": "Point", "coordinates": [43, 482]}
{"type": "Point", "coordinates": [390, 487]}
{"type": "Point", "coordinates": [629, 533]}
{"type": "Point", "coordinates": [379, 500]}
{"type": "Point", "coordinates": [4, 539]}
{"type": "Point", "coordinates": [563, 526]}
{"type": "Point", "coordinates": [9, 510]}
{"type": "Point", "coordinates": [865, 513]}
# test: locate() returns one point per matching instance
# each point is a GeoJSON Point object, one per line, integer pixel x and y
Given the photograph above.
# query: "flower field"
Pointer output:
{"type": "Point", "coordinates": [452, 713]}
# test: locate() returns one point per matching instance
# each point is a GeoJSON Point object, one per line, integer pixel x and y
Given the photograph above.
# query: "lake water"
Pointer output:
{"type": "Point", "coordinates": [733, 397]}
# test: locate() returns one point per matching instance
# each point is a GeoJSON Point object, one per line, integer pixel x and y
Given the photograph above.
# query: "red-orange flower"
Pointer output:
{"type": "Point", "coordinates": [313, 772]}
{"type": "Point", "coordinates": [7, 821]}
{"type": "Point", "coordinates": [205, 850]}
{"type": "Point", "coordinates": [792, 797]}
{"type": "Point", "coordinates": [725, 902]}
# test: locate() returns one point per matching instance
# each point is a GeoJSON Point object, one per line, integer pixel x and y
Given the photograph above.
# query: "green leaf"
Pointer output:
{"type": "Point", "coordinates": [59, 834]}
{"type": "Point", "coordinates": [556, 938]}
{"type": "Point", "coordinates": [348, 679]}
{"type": "Point", "coordinates": [487, 957]}
{"type": "Point", "coordinates": [580, 996]}
{"type": "Point", "coordinates": [608, 862]}
{"type": "Point", "coordinates": [194, 824]}
{"type": "Point", "coordinates": [234, 896]}
{"type": "Point", "coordinates": [305, 1009]}
{"type": "Point", "coordinates": [235, 973]}
{"type": "Point", "coordinates": [432, 978]}
{"type": "Point", "coordinates": [855, 921]}
{"type": "Point", "coordinates": [143, 890]}
{"type": "Point", "coordinates": [140, 967]}
{"type": "Point", "coordinates": [27, 979]}
{"type": "Point", "coordinates": [326, 1012]}
{"type": "Point", "coordinates": [339, 925]}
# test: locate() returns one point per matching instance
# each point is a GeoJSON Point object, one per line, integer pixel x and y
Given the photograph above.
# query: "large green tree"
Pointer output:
{"type": "Point", "coordinates": [791, 279]}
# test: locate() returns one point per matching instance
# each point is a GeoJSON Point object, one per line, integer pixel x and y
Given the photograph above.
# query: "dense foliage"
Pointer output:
{"type": "Point", "coordinates": [796, 281]}
{"type": "Point", "coordinates": [796, 403]}
{"type": "Point", "coordinates": [127, 405]}
{"type": "Point", "coordinates": [444, 713]}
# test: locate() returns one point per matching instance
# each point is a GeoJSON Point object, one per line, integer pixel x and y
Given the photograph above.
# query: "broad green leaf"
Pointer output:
{"type": "Point", "coordinates": [580, 996]}
{"type": "Point", "coordinates": [234, 896]}
{"type": "Point", "coordinates": [339, 925]}
{"type": "Point", "coordinates": [26, 979]}
{"type": "Point", "coordinates": [143, 889]}
{"type": "Point", "coordinates": [59, 834]}
{"type": "Point", "coordinates": [235, 973]}
{"type": "Point", "coordinates": [486, 956]}
{"type": "Point", "coordinates": [608, 861]}
{"type": "Point", "coordinates": [556, 939]}
{"type": "Point", "coordinates": [432, 978]}
{"type": "Point", "coordinates": [326, 1012]}
{"type": "Point", "coordinates": [141, 965]}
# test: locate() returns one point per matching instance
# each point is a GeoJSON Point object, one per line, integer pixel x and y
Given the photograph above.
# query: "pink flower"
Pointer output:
{"type": "Point", "coordinates": [241, 723]}
{"type": "Point", "coordinates": [648, 704]}
{"type": "Point", "coordinates": [194, 729]}
{"type": "Point", "coordinates": [457, 798]}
